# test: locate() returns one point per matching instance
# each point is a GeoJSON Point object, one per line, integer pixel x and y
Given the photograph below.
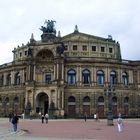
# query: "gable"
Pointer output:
{"type": "Point", "coordinates": [81, 37]}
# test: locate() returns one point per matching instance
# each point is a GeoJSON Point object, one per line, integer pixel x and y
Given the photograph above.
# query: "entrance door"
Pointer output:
{"type": "Point", "coordinates": [86, 108]}
{"type": "Point", "coordinates": [101, 111]}
{"type": "Point", "coordinates": [42, 103]}
{"type": "Point", "coordinates": [114, 109]}
{"type": "Point", "coordinates": [71, 110]}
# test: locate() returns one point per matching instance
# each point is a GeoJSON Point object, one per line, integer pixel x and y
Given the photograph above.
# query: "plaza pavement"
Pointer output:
{"type": "Point", "coordinates": [69, 129]}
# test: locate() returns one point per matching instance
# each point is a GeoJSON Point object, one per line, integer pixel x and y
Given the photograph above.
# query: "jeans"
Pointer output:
{"type": "Point", "coordinates": [15, 127]}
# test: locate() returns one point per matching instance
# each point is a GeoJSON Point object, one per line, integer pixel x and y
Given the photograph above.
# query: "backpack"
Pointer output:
{"type": "Point", "coordinates": [13, 120]}
{"type": "Point", "coordinates": [119, 121]}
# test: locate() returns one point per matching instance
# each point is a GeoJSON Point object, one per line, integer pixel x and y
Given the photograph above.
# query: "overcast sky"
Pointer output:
{"type": "Point", "coordinates": [119, 18]}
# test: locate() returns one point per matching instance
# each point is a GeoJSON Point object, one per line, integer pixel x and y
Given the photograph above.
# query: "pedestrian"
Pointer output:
{"type": "Point", "coordinates": [120, 123]}
{"type": "Point", "coordinates": [95, 117]}
{"type": "Point", "coordinates": [14, 122]}
{"type": "Point", "coordinates": [42, 118]}
{"type": "Point", "coordinates": [10, 117]}
{"type": "Point", "coordinates": [46, 117]}
{"type": "Point", "coordinates": [85, 116]}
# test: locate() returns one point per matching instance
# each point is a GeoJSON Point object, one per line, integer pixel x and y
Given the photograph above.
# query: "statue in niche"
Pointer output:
{"type": "Point", "coordinates": [60, 49]}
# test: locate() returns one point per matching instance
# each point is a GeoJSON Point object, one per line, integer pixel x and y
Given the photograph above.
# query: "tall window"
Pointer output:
{"type": "Point", "coordinates": [71, 77]}
{"type": "Point", "coordinates": [17, 78]}
{"type": "Point", "coordinates": [94, 48]}
{"type": "Point", "coordinates": [86, 76]}
{"type": "Point", "coordinates": [113, 78]}
{"type": "Point", "coordinates": [100, 77]}
{"type": "Point", "coordinates": [48, 78]}
{"type": "Point", "coordinates": [84, 48]}
{"type": "Point", "coordinates": [8, 79]}
{"type": "Point", "coordinates": [125, 78]}
{"type": "Point", "coordinates": [74, 47]}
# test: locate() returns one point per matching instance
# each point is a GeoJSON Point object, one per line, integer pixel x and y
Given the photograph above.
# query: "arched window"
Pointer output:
{"type": "Point", "coordinates": [0, 100]}
{"type": "Point", "coordinates": [86, 99]}
{"type": "Point", "coordinates": [86, 76]}
{"type": "Point", "coordinates": [71, 77]}
{"type": "Point", "coordinates": [114, 99]}
{"type": "Point", "coordinates": [1, 80]}
{"type": "Point", "coordinates": [125, 78]}
{"type": "Point", "coordinates": [100, 77]}
{"type": "Point", "coordinates": [71, 99]}
{"type": "Point", "coordinates": [126, 100]}
{"type": "Point", "coordinates": [6, 101]}
{"type": "Point", "coordinates": [113, 78]}
{"type": "Point", "coordinates": [16, 100]}
{"type": "Point", "coordinates": [8, 79]}
{"type": "Point", "coordinates": [17, 78]}
{"type": "Point", "coordinates": [101, 99]}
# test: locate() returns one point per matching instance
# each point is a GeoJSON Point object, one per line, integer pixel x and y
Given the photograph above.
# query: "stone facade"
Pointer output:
{"type": "Point", "coordinates": [67, 76]}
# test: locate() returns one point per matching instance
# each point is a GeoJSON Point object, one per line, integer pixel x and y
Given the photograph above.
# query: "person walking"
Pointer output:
{"type": "Point", "coordinates": [120, 123]}
{"type": "Point", "coordinates": [46, 117]}
{"type": "Point", "coordinates": [42, 118]}
{"type": "Point", "coordinates": [85, 116]}
{"type": "Point", "coordinates": [14, 121]}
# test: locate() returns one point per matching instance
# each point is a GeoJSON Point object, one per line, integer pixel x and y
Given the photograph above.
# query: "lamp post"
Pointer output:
{"type": "Point", "coordinates": [108, 93]}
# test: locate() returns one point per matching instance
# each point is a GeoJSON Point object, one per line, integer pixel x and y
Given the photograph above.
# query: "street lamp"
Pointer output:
{"type": "Point", "coordinates": [108, 93]}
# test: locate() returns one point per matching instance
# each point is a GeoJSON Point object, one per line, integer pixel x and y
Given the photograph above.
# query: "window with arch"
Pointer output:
{"type": "Point", "coordinates": [126, 100]}
{"type": "Point", "coordinates": [125, 78]}
{"type": "Point", "coordinates": [101, 99]}
{"type": "Point", "coordinates": [113, 78]}
{"type": "Point", "coordinates": [114, 100]}
{"type": "Point", "coordinates": [100, 77]}
{"type": "Point", "coordinates": [71, 75]}
{"type": "Point", "coordinates": [8, 79]}
{"type": "Point", "coordinates": [17, 78]}
{"type": "Point", "coordinates": [16, 100]}
{"type": "Point", "coordinates": [86, 76]}
{"type": "Point", "coordinates": [1, 80]}
{"type": "Point", "coordinates": [0, 100]}
{"type": "Point", "coordinates": [86, 99]}
{"type": "Point", "coordinates": [6, 101]}
{"type": "Point", "coordinates": [71, 99]}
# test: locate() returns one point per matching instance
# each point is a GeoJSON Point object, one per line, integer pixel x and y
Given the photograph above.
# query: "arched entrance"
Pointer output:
{"type": "Point", "coordinates": [42, 103]}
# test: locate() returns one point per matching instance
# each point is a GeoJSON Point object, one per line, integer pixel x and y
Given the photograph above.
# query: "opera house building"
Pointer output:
{"type": "Point", "coordinates": [68, 76]}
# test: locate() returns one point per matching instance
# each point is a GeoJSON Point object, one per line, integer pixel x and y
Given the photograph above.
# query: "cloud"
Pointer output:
{"type": "Point", "coordinates": [120, 18]}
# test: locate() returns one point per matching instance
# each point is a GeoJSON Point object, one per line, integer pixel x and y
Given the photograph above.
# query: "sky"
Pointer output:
{"type": "Point", "coordinates": [118, 18]}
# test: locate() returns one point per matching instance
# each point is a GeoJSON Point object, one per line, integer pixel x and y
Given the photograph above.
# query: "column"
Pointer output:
{"type": "Point", "coordinates": [80, 75]}
{"type": "Point", "coordinates": [62, 71]}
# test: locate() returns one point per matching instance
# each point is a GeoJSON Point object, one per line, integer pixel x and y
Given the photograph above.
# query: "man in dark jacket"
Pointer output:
{"type": "Point", "coordinates": [15, 122]}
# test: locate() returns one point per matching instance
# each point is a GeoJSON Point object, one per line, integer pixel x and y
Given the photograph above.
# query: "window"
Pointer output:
{"type": "Point", "coordinates": [8, 79]}
{"type": "Point", "coordinates": [94, 48]}
{"type": "Point", "coordinates": [125, 78]}
{"type": "Point", "coordinates": [66, 48]}
{"type": "Point", "coordinates": [86, 76]}
{"type": "Point", "coordinates": [84, 48]}
{"type": "Point", "coordinates": [113, 78]}
{"type": "Point", "coordinates": [100, 77]}
{"type": "Point", "coordinates": [74, 47]}
{"type": "Point", "coordinates": [86, 99]}
{"type": "Point", "coordinates": [17, 78]}
{"type": "Point", "coordinates": [25, 52]}
{"type": "Point", "coordinates": [1, 80]}
{"type": "Point", "coordinates": [71, 99]}
{"type": "Point", "coordinates": [48, 78]}
{"type": "Point", "coordinates": [102, 49]}
{"type": "Point", "coordinates": [20, 54]}
{"type": "Point", "coordinates": [110, 50]}
{"type": "Point", "coordinates": [71, 77]}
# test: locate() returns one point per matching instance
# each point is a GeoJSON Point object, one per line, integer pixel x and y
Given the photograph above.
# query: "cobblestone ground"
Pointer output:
{"type": "Point", "coordinates": [70, 130]}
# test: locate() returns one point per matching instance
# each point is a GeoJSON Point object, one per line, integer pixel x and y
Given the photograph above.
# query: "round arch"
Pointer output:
{"type": "Point", "coordinates": [42, 103]}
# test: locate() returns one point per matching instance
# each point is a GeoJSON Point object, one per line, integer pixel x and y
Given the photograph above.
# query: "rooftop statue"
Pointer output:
{"type": "Point", "coordinates": [49, 28]}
